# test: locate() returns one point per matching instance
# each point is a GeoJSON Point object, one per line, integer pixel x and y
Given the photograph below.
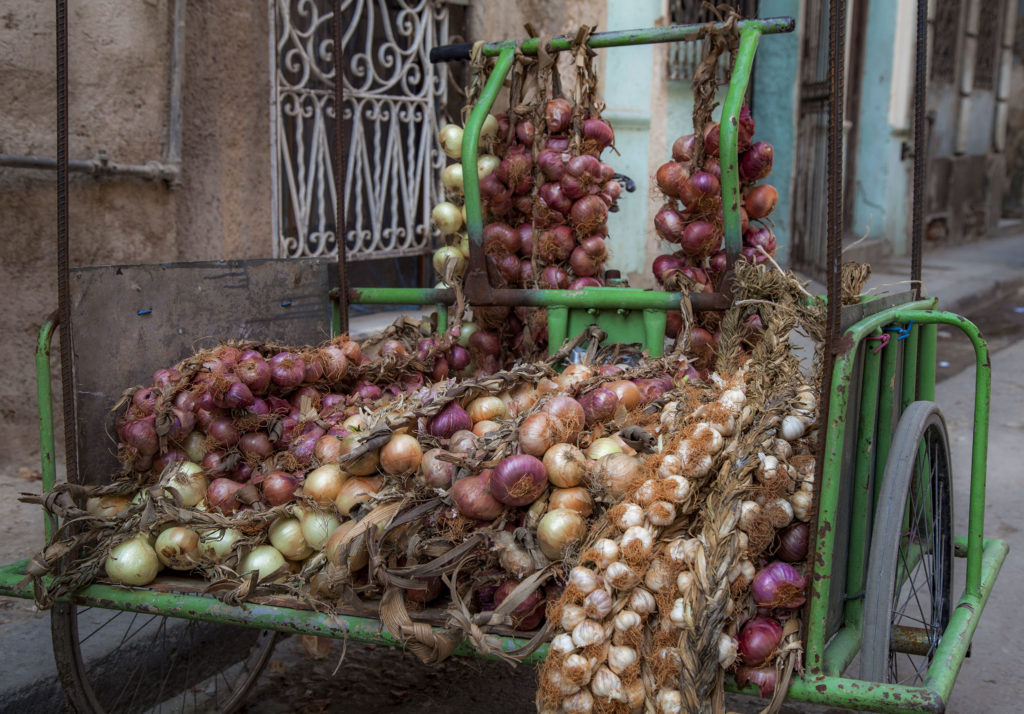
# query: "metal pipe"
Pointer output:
{"type": "Point", "coordinates": [169, 168]}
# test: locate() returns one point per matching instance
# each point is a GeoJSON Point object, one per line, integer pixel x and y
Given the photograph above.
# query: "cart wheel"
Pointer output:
{"type": "Point", "coordinates": [907, 598]}
{"type": "Point", "coordinates": [116, 661]}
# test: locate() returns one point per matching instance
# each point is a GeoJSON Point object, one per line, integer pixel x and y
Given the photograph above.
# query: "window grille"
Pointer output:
{"type": "Point", "coordinates": [683, 57]}
{"type": "Point", "coordinates": [945, 36]}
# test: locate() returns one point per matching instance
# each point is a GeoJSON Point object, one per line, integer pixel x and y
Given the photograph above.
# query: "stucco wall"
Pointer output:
{"type": "Point", "coordinates": [119, 76]}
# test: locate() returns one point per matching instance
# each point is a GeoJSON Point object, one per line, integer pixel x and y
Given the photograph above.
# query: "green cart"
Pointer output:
{"type": "Point", "coordinates": [881, 571]}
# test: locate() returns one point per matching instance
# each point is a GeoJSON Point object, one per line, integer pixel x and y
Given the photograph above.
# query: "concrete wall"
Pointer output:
{"type": "Point", "coordinates": [119, 74]}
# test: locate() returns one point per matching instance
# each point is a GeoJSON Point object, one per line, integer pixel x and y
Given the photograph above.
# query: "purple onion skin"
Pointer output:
{"type": "Point", "coordinates": [519, 480]}
{"type": "Point", "coordinates": [756, 163]}
{"type": "Point", "coordinates": [451, 419]}
{"type": "Point", "coordinates": [774, 586]}
{"type": "Point", "coordinates": [599, 405]}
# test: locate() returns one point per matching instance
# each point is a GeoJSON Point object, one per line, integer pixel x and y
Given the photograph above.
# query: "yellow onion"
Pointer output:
{"type": "Point", "coordinates": [451, 140]}
{"type": "Point", "coordinates": [133, 562]}
{"type": "Point", "coordinates": [264, 559]}
{"type": "Point", "coordinates": [353, 555]}
{"type": "Point", "coordinates": [602, 447]}
{"type": "Point", "coordinates": [317, 526]}
{"type": "Point", "coordinates": [566, 465]}
{"type": "Point", "coordinates": [217, 544]}
{"type": "Point", "coordinates": [176, 547]}
{"type": "Point", "coordinates": [401, 455]}
{"type": "Point", "coordinates": [107, 506]}
{"type": "Point", "coordinates": [538, 433]}
{"type": "Point", "coordinates": [616, 473]}
{"type": "Point", "coordinates": [355, 491]}
{"type": "Point", "coordinates": [575, 499]}
{"type": "Point", "coordinates": [188, 479]}
{"type": "Point", "coordinates": [558, 530]}
{"type": "Point", "coordinates": [486, 408]}
{"type": "Point", "coordinates": [323, 484]}
{"type": "Point", "coordinates": [365, 464]}
{"type": "Point", "coordinates": [286, 535]}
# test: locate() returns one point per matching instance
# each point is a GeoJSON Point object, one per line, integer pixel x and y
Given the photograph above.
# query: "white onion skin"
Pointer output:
{"type": "Point", "coordinates": [133, 562]}
{"type": "Point", "coordinates": [286, 535]}
{"type": "Point", "coordinates": [558, 530]}
{"type": "Point", "coordinates": [566, 465]}
{"type": "Point", "coordinates": [217, 544]}
{"type": "Point", "coordinates": [323, 484]}
{"type": "Point", "coordinates": [176, 546]}
{"type": "Point", "coordinates": [264, 559]}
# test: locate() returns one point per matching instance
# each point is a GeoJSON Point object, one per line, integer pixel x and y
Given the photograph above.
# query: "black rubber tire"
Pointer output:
{"type": "Point", "coordinates": [924, 487]}
{"type": "Point", "coordinates": [159, 664]}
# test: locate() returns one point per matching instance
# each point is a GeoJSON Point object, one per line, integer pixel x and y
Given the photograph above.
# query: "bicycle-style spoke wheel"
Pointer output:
{"type": "Point", "coordinates": [116, 661]}
{"type": "Point", "coordinates": [908, 595]}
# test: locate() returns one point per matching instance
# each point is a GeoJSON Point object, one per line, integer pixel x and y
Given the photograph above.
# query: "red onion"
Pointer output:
{"type": "Point", "coordinates": [366, 392]}
{"type": "Point", "coordinates": [778, 584]}
{"type": "Point", "coordinates": [330, 403]}
{"type": "Point", "coordinates": [696, 189]}
{"type": "Point", "coordinates": [220, 495]}
{"type": "Point", "coordinates": [611, 189]}
{"type": "Point", "coordinates": [308, 392]}
{"type": "Point", "coordinates": [554, 277]}
{"type": "Point", "coordinates": [580, 283]}
{"type": "Point", "coordinates": [553, 194]}
{"type": "Point", "coordinates": [525, 231]}
{"type": "Point", "coordinates": [449, 420]}
{"type": "Point", "coordinates": [763, 237]}
{"type": "Point", "coordinates": [763, 677]}
{"type": "Point", "coordinates": [253, 371]}
{"type": "Point", "coordinates": [334, 362]}
{"type": "Point", "coordinates": [144, 401]}
{"type": "Point", "coordinates": [168, 457]}
{"type": "Point", "coordinates": [287, 369]}
{"type": "Point", "coordinates": [670, 224]}
{"type": "Point", "coordinates": [458, 357]}
{"type": "Point", "coordinates": [585, 168]}
{"type": "Point", "coordinates": [556, 244]}
{"type": "Point", "coordinates": [557, 143]}
{"type": "Point", "coordinates": [682, 148]}
{"type": "Point", "coordinates": [504, 269]}
{"type": "Point", "coordinates": [756, 163]}
{"type": "Point", "coordinates": [758, 639]}
{"type": "Point", "coordinates": [141, 435]}
{"type": "Point", "coordinates": [237, 396]}
{"type": "Point", "coordinates": [214, 461]}
{"type": "Point", "coordinates": [651, 389]}
{"type": "Point", "coordinates": [792, 542]}
{"type": "Point", "coordinates": [529, 613]}
{"type": "Point", "coordinates": [588, 214]}
{"type": "Point", "coordinates": [278, 405]}
{"type": "Point", "coordinates": [760, 201]}
{"type": "Point", "coordinates": [673, 323]}
{"type": "Point", "coordinates": [525, 132]}
{"type": "Point", "coordinates": [718, 262]}
{"type": "Point", "coordinates": [242, 473]}
{"type": "Point", "coordinates": [746, 132]}
{"type": "Point", "coordinates": [753, 255]}
{"type": "Point", "coordinates": [700, 238]}
{"type": "Point", "coordinates": [186, 401]}
{"type": "Point", "coordinates": [519, 480]}
{"type": "Point", "coordinates": [473, 498]}
{"type": "Point", "coordinates": [223, 431]}
{"type": "Point", "coordinates": [712, 134]}
{"type": "Point", "coordinates": [714, 168]}
{"type": "Point", "coordinates": [670, 177]}
{"type": "Point", "coordinates": [484, 342]}
{"type": "Point", "coordinates": [514, 171]}
{"type": "Point", "coordinates": [597, 135]}
{"type": "Point", "coordinates": [279, 487]}
{"type": "Point", "coordinates": [182, 424]}
{"type": "Point", "coordinates": [255, 444]}
{"type": "Point", "coordinates": [598, 405]}
{"type": "Point", "coordinates": [166, 378]}
{"type": "Point", "coordinates": [303, 446]}
{"type": "Point", "coordinates": [584, 264]}
{"type": "Point", "coordinates": [558, 115]}
{"type": "Point", "coordinates": [552, 164]}
{"type": "Point", "coordinates": [501, 235]}
{"type": "Point", "coordinates": [665, 264]}
{"type": "Point", "coordinates": [525, 271]}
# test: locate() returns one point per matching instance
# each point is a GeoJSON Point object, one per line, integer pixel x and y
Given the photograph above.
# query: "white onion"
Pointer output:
{"type": "Point", "coordinates": [451, 177]}
{"type": "Point", "coordinates": [188, 479]}
{"type": "Point", "coordinates": [558, 530]}
{"type": "Point", "coordinates": [489, 128]}
{"type": "Point", "coordinates": [587, 633]}
{"type": "Point", "coordinates": [486, 164]}
{"type": "Point", "coordinates": [264, 559]}
{"type": "Point", "coordinates": [216, 544]}
{"type": "Point", "coordinates": [286, 535]}
{"type": "Point", "coordinates": [176, 547]}
{"type": "Point", "coordinates": [605, 446]}
{"type": "Point", "coordinates": [133, 562]}
{"type": "Point", "coordinates": [317, 527]}
{"type": "Point", "coordinates": [451, 141]}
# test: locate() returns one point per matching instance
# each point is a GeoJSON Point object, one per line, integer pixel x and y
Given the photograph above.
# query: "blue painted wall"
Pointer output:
{"type": "Point", "coordinates": [776, 97]}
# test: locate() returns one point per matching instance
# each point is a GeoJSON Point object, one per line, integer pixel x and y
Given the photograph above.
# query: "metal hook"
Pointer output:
{"type": "Point", "coordinates": [883, 341]}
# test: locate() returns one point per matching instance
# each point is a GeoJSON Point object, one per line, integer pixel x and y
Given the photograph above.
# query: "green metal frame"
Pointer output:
{"type": "Point", "coordinates": [626, 314]}
{"type": "Point", "coordinates": [825, 659]}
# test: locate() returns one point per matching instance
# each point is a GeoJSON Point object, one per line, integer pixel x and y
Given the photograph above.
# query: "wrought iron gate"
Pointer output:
{"type": "Point", "coordinates": [392, 96]}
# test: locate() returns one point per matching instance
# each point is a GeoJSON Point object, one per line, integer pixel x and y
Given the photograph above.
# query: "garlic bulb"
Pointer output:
{"type": "Point", "coordinates": [780, 512]}
{"type": "Point", "coordinates": [681, 614]}
{"type": "Point", "coordinates": [728, 649]}
{"type": "Point", "coordinates": [710, 439]}
{"type": "Point", "coordinates": [636, 695]}
{"type": "Point", "coordinates": [733, 397]}
{"type": "Point", "coordinates": [572, 615]}
{"type": "Point", "coordinates": [659, 576]}
{"type": "Point", "coordinates": [661, 513]}
{"type": "Point", "coordinates": [751, 514]}
{"type": "Point", "coordinates": [587, 633]}
{"type": "Point", "coordinates": [670, 466]}
{"type": "Point", "coordinates": [802, 501]}
{"type": "Point", "coordinates": [584, 579]}
{"type": "Point", "coordinates": [626, 620]}
{"type": "Point", "coordinates": [582, 702]}
{"type": "Point", "coordinates": [562, 684]}
{"type": "Point", "coordinates": [621, 657]}
{"type": "Point", "coordinates": [640, 535]}
{"type": "Point", "coordinates": [769, 469]}
{"type": "Point", "coordinates": [792, 427]}
{"type": "Point", "coordinates": [695, 463]}
{"type": "Point", "coordinates": [744, 568]}
{"type": "Point", "coordinates": [631, 515]}
{"type": "Point", "coordinates": [680, 490]}
{"type": "Point", "coordinates": [576, 669]}
{"type": "Point", "coordinates": [684, 583]}
{"type": "Point", "coordinates": [683, 551]}
{"type": "Point", "coordinates": [607, 685]}
{"type": "Point", "coordinates": [782, 449]}
{"type": "Point", "coordinates": [598, 604]}
{"type": "Point", "coordinates": [642, 602]}
{"type": "Point", "coordinates": [647, 492]}
{"type": "Point", "coordinates": [604, 552]}
{"type": "Point", "coordinates": [669, 701]}
{"type": "Point", "coordinates": [621, 576]}
{"type": "Point", "coordinates": [562, 643]}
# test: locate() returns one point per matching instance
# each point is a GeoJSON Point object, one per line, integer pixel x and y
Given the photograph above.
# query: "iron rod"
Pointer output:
{"type": "Point", "coordinates": [152, 171]}
{"type": "Point", "coordinates": [920, 143]}
{"type": "Point", "coordinates": [339, 157]}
